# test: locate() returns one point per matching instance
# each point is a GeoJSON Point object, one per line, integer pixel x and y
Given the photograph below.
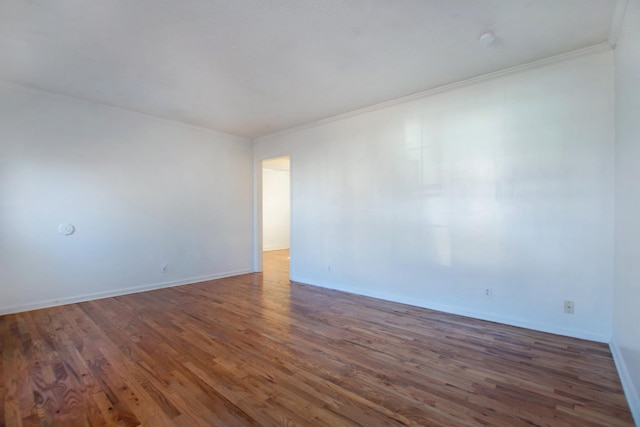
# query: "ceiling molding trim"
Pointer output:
{"type": "Point", "coordinates": [598, 48]}
{"type": "Point", "coordinates": [38, 90]}
{"type": "Point", "coordinates": [619, 11]}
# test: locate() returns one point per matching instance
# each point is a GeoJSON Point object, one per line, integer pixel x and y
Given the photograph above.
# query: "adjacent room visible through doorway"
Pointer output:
{"type": "Point", "coordinates": [276, 205]}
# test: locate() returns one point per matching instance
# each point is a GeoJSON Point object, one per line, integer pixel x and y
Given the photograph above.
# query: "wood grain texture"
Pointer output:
{"type": "Point", "coordinates": [257, 350]}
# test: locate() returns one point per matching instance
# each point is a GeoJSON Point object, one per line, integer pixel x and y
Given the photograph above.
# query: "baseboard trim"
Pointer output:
{"type": "Point", "coordinates": [275, 248]}
{"type": "Point", "coordinates": [575, 333]}
{"type": "Point", "coordinates": [117, 292]}
{"type": "Point", "coordinates": [630, 390]}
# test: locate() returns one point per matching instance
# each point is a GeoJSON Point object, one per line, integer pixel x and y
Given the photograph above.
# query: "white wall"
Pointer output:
{"type": "Point", "coordinates": [141, 192]}
{"type": "Point", "coordinates": [504, 184]}
{"type": "Point", "coordinates": [276, 202]}
{"type": "Point", "coordinates": [626, 312]}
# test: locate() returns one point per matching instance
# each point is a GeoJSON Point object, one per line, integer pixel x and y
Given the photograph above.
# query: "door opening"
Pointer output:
{"type": "Point", "coordinates": [276, 208]}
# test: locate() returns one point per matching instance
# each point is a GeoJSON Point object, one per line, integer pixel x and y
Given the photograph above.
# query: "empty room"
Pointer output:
{"type": "Point", "coordinates": [319, 213]}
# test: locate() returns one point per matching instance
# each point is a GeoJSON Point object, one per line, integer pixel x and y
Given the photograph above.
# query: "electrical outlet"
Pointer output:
{"type": "Point", "coordinates": [569, 306]}
{"type": "Point", "coordinates": [165, 268]}
{"type": "Point", "coordinates": [488, 292]}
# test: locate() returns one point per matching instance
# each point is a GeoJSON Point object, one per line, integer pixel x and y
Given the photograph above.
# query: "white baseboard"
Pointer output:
{"type": "Point", "coordinates": [575, 333]}
{"type": "Point", "coordinates": [630, 389]}
{"type": "Point", "coordinates": [116, 292]}
{"type": "Point", "coordinates": [275, 248]}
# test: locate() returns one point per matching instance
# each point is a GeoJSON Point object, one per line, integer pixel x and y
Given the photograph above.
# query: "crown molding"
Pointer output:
{"type": "Point", "coordinates": [598, 48]}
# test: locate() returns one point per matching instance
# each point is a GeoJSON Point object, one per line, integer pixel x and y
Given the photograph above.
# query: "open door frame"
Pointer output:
{"type": "Point", "coordinates": [257, 211]}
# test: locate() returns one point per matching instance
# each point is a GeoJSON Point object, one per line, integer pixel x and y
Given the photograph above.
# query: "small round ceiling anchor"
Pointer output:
{"type": "Point", "coordinates": [66, 229]}
{"type": "Point", "coordinates": [487, 38]}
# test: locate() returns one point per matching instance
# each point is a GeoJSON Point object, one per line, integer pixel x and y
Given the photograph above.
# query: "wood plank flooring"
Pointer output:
{"type": "Point", "coordinates": [259, 350]}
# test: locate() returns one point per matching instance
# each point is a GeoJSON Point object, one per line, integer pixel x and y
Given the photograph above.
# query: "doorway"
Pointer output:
{"type": "Point", "coordinates": [276, 207]}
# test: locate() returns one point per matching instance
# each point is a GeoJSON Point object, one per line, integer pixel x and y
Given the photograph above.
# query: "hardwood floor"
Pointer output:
{"type": "Point", "coordinates": [258, 350]}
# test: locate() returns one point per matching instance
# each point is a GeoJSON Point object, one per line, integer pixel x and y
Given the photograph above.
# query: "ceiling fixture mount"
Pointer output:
{"type": "Point", "coordinates": [487, 38]}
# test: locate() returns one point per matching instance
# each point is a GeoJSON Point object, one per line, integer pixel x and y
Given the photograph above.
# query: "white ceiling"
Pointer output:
{"type": "Point", "coordinates": [254, 67]}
